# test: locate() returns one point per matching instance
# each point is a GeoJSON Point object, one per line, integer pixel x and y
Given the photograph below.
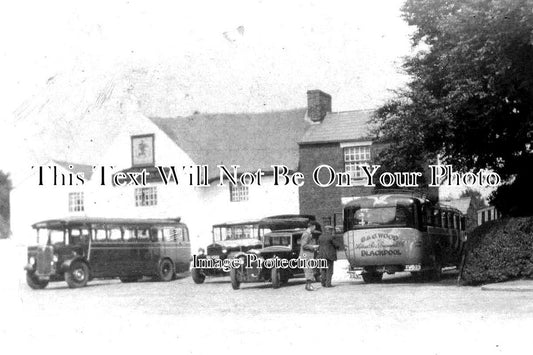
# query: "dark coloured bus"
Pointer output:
{"type": "Point", "coordinates": [228, 238]}
{"type": "Point", "coordinates": [401, 232]}
{"type": "Point", "coordinates": [78, 249]}
{"type": "Point", "coordinates": [282, 242]}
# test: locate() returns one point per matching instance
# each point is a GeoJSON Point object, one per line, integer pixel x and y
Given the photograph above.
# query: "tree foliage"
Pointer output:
{"type": "Point", "coordinates": [470, 97]}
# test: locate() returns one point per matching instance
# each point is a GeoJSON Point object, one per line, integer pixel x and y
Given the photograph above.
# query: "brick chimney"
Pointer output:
{"type": "Point", "coordinates": [318, 105]}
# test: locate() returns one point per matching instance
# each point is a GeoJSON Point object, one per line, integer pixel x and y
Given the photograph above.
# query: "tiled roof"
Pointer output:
{"type": "Point", "coordinates": [87, 170]}
{"type": "Point", "coordinates": [251, 140]}
{"type": "Point", "coordinates": [462, 204]}
{"type": "Point", "coordinates": [340, 127]}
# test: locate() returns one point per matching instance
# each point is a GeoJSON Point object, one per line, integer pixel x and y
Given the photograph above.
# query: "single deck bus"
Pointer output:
{"type": "Point", "coordinates": [78, 249]}
{"type": "Point", "coordinates": [388, 233]}
{"type": "Point", "coordinates": [228, 238]}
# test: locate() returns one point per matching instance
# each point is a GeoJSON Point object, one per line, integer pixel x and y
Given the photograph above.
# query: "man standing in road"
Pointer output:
{"type": "Point", "coordinates": [307, 252]}
{"type": "Point", "coordinates": [327, 250]}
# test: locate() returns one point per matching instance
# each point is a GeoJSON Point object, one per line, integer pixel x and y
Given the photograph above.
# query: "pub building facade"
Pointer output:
{"type": "Point", "coordinates": [300, 139]}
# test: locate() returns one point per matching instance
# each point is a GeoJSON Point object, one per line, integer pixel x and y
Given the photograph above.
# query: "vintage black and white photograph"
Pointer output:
{"type": "Point", "coordinates": [266, 177]}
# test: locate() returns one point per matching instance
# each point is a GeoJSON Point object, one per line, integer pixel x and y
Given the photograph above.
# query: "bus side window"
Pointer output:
{"type": "Point", "coordinates": [143, 234]}
{"type": "Point", "coordinates": [129, 235]}
{"type": "Point", "coordinates": [166, 234]}
{"type": "Point", "coordinates": [85, 235]}
{"type": "Point", "coordinates": [114, 234]}
{"type": "Point", "coordinates": [99, 235]}
{"type": "Point", "coordinates": [154, 237]}
{"type": "Point", "coordinates": [450, 220]}
{"type": "Point", "coordinates": [444, 219]}
{"type": "Point", "coordinates": [75, 237]}
{"type": "Point", "coordinates": [436, 218]}
{"type": "Point", "coordinates": [172, 235]}
{"type": "Point", "coordinates": [229, 233]}
{"type": "Point", "coordinates": [463, 223]}
{"type": "Point", "coordinates": [429, 216]}
{"type": "Point", "coordinates": [178, 234]}
{"type": "Point", "coordinates": [217, 234]}
{"type": "Point", "coordinates": [185, 235]}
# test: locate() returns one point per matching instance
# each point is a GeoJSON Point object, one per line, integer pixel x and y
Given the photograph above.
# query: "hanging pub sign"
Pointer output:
{"type": "Point", "coordinates": [142, 150]}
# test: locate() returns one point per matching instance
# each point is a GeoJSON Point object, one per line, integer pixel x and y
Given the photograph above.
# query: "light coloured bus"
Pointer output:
{"type": "Point", "coordinates": [388, 233]}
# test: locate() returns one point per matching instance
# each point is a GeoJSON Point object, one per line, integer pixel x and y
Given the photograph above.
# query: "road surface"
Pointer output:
{"type": "Point", "coordinates": [398, 316]}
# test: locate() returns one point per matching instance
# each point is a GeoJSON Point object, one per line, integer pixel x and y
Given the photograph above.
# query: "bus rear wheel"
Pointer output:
{"type": "Point", "coordinates": [165, 272]}
{"type": "Point", "coordinates": [77, 275]}
{"type": "Point", "coordinates": [371, 277]}
{"type": "Point", "coordinates": [34, 282]}
{"type": "Point", "coordinates": [197, 276]}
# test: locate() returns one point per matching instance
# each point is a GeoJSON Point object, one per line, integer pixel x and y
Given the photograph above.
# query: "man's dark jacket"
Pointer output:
{"type": "Point", "coordinates": [328, 246]}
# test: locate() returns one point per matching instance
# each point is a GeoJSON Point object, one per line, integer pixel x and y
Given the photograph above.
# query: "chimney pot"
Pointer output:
{"type": "Point", "coordinates": [318, 105]}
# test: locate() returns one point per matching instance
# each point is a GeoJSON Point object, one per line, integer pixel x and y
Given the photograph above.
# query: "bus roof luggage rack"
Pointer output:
{"type": "Point", "coordinates": [400, 191]}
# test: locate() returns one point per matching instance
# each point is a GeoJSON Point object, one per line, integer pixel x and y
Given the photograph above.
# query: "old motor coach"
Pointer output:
{"type": "Point", "coordinates": [282, 242]}
{"type": "Point", "coordinates": [78, 249]}
{"type": "Point", "coordinates": [390, 233]}
{"type": "Point", "coordinates": [228, 239]}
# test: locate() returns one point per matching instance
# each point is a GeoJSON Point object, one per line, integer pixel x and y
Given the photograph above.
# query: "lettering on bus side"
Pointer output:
{"type": "Point", "coordinates": [393, 237]}
{"type": "Point", "coordinates": [380, 244]}
{"type": "Point", "coordinates": [381, 252]}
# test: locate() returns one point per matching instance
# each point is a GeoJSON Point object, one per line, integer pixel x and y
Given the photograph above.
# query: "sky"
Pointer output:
{"type": "Point", "coordinates": [206, 56]}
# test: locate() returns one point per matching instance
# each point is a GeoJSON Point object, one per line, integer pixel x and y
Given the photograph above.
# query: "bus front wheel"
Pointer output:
{"type": "Point", "coordinates": [371, 277]}
{"type": "Point", "coordinates": [34, 282]}
{"type": "Point", "coordinates": [77, 275]}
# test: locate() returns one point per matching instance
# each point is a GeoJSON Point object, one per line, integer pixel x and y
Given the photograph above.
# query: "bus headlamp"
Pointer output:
{"type": "Point", "coordinates": [32, 260]}
{"type": "Point", "coordinates": [224, 251]}
{"type": "Point", "coordinates": [55, 258]}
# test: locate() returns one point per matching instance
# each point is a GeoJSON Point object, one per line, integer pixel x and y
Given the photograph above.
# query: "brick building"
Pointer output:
{"type": "Point", "coordinates": [344, 141]}
{"type": "Point", "coordinates": [341, 140]}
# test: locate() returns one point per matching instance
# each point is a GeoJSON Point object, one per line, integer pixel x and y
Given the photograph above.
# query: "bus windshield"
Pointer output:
{"type": "Point", "coordinates": [237, 231]}
{"type": "Point", "coordinates": [50, 236]}
{"type": "Point", "coordinates": [377, 216]}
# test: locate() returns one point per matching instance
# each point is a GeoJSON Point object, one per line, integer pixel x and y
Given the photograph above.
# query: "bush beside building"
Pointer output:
{"type": "Point", "coordinates": [500, 250]}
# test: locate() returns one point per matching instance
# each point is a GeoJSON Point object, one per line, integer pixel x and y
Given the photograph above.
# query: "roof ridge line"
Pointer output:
{"type": "Point", "coordinates": [69, 162]}
{"type": "Point", "coordinates": [229, 113]}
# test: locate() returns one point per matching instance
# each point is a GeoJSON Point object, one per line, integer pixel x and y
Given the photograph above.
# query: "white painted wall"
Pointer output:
{"type": "Point", "coordinates": [172, 200]}
{"type": "Point", "coordinates": [199, 207]}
